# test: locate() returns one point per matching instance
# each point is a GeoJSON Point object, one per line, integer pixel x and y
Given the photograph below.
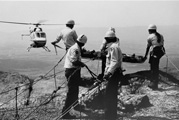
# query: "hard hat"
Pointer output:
{"type": "Point", "coordinates": [72, 22]}
{"type": "Point", "coordinates": [112, 29]}
{"type": "Point", "coordinates": [82, 39]}
{"type": "Point", "coordinates": [110, 34]}
{"type": "Point", "coordinates": [152, 27]}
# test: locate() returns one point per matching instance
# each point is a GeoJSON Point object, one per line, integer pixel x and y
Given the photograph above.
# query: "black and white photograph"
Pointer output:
{"type": "Point", "coordinates": [89, 60]}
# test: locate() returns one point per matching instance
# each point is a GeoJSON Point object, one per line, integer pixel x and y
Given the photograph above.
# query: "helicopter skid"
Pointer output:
{"type": "Point", "coordinates": [44, 47]}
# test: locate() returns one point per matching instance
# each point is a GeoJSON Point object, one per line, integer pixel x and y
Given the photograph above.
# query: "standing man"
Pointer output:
{"type": "Point", "coordinates": [103, 49]}
{"type": "Point", "coordinates": [113, 73]}
{"type": "Point", "coordinates": [155, 45]}
{"type": "Point", "coordinates": [73, 66]}
{"type": "Point", "coordinates": [68, 35]}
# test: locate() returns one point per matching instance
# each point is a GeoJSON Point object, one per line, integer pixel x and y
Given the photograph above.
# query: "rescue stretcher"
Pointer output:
{"type": "Point", "coordinates": [98, 55]}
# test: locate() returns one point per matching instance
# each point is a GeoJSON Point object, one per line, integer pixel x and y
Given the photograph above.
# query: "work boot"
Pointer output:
{"type": "Point", "coordinates": [156, 84]}
{"type": "Point", "coordinates": [67, 115]}
{"type": "Point", "coordinates": [81, 108]}
{"type": "Point", "coordinates": [153, 85]}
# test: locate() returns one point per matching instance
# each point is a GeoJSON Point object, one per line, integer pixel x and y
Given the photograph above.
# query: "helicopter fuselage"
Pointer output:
{"type": "Point", "coordinates": [39, 39]}
{"type": "Point", "coordinates": [37, 36]}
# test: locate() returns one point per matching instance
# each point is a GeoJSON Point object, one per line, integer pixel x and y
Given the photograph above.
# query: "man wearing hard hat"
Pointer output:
{"type": "Point", "coordinates": [104, 47]}
{"type": "Point", "coordinates": [113, 73]}
{"type": "Point", "coordinates": [156, 46]}
{"type": "Point", "coordinates": [68, 35]}
{"type": "Point", "coordinates": [72, 67]}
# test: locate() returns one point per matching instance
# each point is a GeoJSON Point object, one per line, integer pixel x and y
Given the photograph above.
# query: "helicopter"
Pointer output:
{"type": "Point", "coordinates": [37, 35]}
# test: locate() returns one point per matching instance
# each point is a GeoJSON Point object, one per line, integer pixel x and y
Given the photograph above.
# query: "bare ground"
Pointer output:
{"type": "Point", "coordinates": [164, 103]}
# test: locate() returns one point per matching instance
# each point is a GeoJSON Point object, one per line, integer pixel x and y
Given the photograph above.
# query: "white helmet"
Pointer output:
{"type": "Point", "coordinates": [112, 29]}
{"type": "Point", "coordinates": [152, 27]}
{"type": "Point", "coordinates": [71, 22]}
{"type": "Point", "coordinates": [82, 39]}
{"type": "Point", "coordinates": [110, 34]}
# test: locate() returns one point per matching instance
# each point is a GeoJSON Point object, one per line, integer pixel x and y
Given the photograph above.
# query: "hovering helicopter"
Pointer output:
{"type": "Point", "coordinates": [37, 36]}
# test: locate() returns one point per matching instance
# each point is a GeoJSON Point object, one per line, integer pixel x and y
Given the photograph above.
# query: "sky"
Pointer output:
{"type": "Point", "coordinates": [90, 13]}
{"type": "Point", "coordinates": [101, 13]}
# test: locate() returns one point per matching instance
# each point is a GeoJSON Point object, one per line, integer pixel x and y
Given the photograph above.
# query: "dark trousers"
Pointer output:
{"type": "Point", "coordinates": [154, 69]}
{"type": "Point", "coordinates": [154, 61]}
{"type": "Point", "coordinates": [103, 65]}
{"type": "Point", "coordinates": [73, 77]}
{"type": "Point", "coordinates": [111, 96]}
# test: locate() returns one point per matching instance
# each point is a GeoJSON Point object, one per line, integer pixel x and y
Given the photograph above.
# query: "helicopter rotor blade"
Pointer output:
{"type": "Point", "coordinates": [23, 23]}
{"type": "Point", "coordinates": [52, 24]}
{"type": "Point", "coordinates": [16, 23]}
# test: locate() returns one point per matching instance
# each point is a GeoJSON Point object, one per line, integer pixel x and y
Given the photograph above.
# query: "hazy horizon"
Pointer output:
{"type": "Point", "coordinates": [129, 18]}
{"type": "Point", "coordinates": [14, 57]}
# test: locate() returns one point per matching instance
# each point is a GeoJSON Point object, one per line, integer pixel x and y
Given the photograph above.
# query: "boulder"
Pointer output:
{"type": "Point", "coordinates": [129, 103]}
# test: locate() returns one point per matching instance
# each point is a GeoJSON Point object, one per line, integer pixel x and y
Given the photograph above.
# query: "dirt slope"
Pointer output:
{"type": "Point", "coordinates": [44, 106]}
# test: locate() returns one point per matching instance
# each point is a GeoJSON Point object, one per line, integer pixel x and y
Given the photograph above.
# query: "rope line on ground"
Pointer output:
{"type": "Point", "coordinates": [44, 76]}
{"type": "Point", "coordinates": [172, 63]}
{"type": "Point", "coordinates": [11, 99]}
{"type": "Point", "coordinates": [41, 78]}
{"type": "Point", "coordinates": [56, 64]}
{"type": "Point", "coordinates": [74, 104]}
{"type": "Point", "coordinates": [28, 84]}
{"type": "Point", "coordinates": [44, 102]}
{"type": "Point", "coordinates": [94, 87]}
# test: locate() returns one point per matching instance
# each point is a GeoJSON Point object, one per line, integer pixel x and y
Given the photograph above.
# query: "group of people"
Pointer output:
{"type": "Point", "coordinates": [112, 64]}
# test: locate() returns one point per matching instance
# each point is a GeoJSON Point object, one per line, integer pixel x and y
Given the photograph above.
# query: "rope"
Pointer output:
{"type": "Point", "coordinates": [87, 93]}
{"type": "Point", "coordinates": [68, 80]}
{"type": "Point", "coordinates": [55, 79]}
{"type": "Point", "coordinates": [172, 63]}
{"type": "Point", "coordinates": [76, 103]}
{"type": "Point", "coordinates": [24, 85]}
{"type": "Point", "coordinates": [56, 64]}
{"type": "Point", "coordinates": [37, 79]}
{"type": "Point", "coordinates": [29, 83]}
{"type": "Point", "coordinates": [52, 96]}
{"type": "Point", "coordinates": [44, 102]}
{"type": "Point", "coordinates": [11, 99]}
{"type": "Point", "coordinates": [41, 77]}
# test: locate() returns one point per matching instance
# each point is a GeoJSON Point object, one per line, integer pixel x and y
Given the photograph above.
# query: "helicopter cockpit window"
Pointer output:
{"type": "Point", "coordinates": [41, 35]}
{"type": "Point", "coordinates": [38, 34]}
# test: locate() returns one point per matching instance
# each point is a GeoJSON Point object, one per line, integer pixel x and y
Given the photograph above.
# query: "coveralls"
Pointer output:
{"type": "Point", "coordinates": [113, 66]}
